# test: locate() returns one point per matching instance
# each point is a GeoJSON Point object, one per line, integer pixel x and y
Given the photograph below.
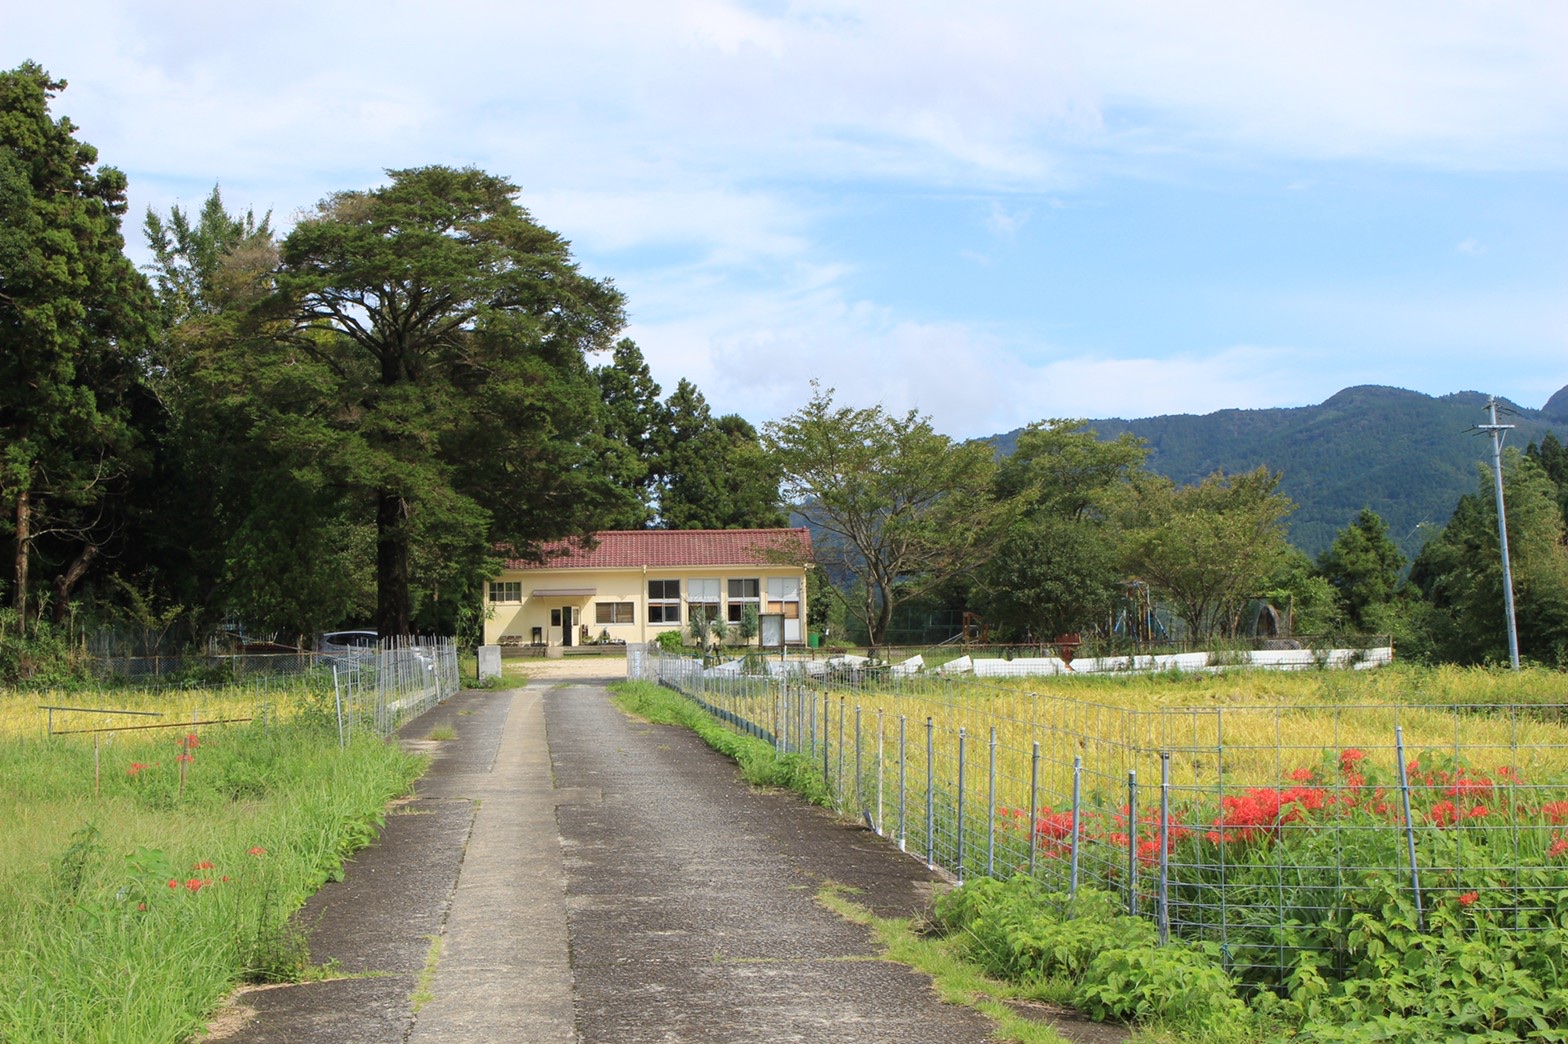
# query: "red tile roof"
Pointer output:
{"type": "Point", "coordinates": [634, 548]}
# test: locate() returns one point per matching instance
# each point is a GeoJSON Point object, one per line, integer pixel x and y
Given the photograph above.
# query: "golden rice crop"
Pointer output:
{"type": "Point", "coordinates": [1231, 730]}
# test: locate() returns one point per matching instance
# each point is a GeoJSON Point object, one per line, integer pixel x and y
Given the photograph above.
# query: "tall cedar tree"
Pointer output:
{"type": "Point", "coordinates": [262, 534]}
{"type": "Point", "coordinates": [634, 424]}
{"type": "Point", "coordinates": [75, 319]}
{"type": "Point", "coordinates": [714, 471]}
{"type": "Point", "coordinates": [448, 331]}
{"type": "Point", "coordinates": [1459, 571]}
{"type": "Point", "coordinates": [1364, 565]}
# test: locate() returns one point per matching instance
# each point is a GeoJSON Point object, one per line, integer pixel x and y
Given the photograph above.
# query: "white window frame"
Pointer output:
{"type": "Point", "coordinates": [705, 595]}
{"type": "Point", "coordinates": [665, 608]}
{"type": "Point", "coordinates": [735, 605]}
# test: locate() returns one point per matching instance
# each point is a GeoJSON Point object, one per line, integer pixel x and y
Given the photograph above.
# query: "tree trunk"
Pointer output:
{"type": "Point", "coordinates": [392, 613]}
{"type": "Point", "coordinates": [67, 581]}
{"type": "Point", "coordinates": [24, 540]}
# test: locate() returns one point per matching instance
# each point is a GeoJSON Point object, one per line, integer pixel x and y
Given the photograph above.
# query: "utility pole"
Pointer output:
{"type": "Point", "coordinates": [1497, 431]}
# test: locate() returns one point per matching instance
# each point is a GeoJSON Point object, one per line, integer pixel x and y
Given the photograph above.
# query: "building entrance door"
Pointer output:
{"type": "Point", "coordinates": [566, 625]}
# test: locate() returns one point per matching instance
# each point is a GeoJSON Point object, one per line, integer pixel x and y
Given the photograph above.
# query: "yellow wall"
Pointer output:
{"type": "Point", "coordinates": [516, 620]}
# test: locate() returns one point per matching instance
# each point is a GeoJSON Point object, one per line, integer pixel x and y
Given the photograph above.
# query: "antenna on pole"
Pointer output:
{"type": "Point", "coordinates": [1497, 432]}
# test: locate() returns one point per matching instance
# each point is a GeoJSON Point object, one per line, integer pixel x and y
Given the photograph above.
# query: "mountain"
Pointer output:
{"type": "Point", "coordinates": [1406, 455]}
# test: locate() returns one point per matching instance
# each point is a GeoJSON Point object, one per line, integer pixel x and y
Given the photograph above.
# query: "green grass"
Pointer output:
{"type": "Point", "coordinates": [759, 763]}
{"type": "Point", "coordinates": [131, 906]}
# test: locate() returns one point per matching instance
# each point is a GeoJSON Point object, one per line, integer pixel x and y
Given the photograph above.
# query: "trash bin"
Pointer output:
{"type": "Point", "coordinates": [813, 639]}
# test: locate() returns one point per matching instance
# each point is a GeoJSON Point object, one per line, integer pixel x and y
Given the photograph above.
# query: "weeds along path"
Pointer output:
{"type": "Point", "coordinates": [565, 874]}
{"type": "Point", "coordinates": [690, 898]}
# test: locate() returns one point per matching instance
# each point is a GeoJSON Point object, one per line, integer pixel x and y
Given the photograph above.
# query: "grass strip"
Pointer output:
{"type": "Point", "coordinates": [760, 765]}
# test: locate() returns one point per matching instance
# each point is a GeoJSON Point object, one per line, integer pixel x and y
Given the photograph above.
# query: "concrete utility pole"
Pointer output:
{"type": "Point", "coordinates": [1497, 431]}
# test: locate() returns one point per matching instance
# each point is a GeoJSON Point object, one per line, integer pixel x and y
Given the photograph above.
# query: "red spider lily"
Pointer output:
{"type": "Point", "coordinates": [137, 766]}
{"type": "Point", "coordinates": [258, 852]}
{"type": "Point", "coordinates": [1348, 759]}
{"type": "Point", "coordinates": [196, 884]}
{"type": "Point", "coordinates": [1302, 775]}
{"type": "Point", "coordinates": [1465, 787]}
{"type": "Point", "coordinates": [1444, 814]}
{"type": "Point", "coordinates": [1556, 811]}
{"type": "Point", "coordinates": [1469, 897]}
{"type": "Point", "coordinates": [203, 865]}
{"type": "Point", "coordinates": [190, 741]}
{"type": "Point", "coordinates": [1262, 811]}
{"type": "Point", "coordinates": [173, 883]}
{"type": "Point", "coordinates": [1479, 812]}
{"type": "Point", "coordinates": [183, 758]}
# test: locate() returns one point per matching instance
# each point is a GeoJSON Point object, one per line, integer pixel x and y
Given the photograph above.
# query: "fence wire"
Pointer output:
{"type": "Point", "coordinates": [1262, 829]}
{"type": "Point", "coordinates": [371, 690]}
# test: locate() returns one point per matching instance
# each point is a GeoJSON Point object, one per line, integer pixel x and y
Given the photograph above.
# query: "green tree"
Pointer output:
{"type": "Point", "coordinates": [1459, 572]}
{"type": "Point", "coordinates": [263, 532]}
{"type": "Point", "coordinates": [635, 421]}
{"type": "Point", "coordinates": [438, 336]}
{"type": "Point", "coordinates": [1056, 568]}
{"type": "Point", "coordinates": [893, 504]}
{"type": "Point", "coordinates": [1207, 548]}
{"type": "Point", "coordinates": [715, 472]}
{"type": "Point", "coordinates": [1363, 565]}
{"type": "Point", "coordinates": [75, 322]}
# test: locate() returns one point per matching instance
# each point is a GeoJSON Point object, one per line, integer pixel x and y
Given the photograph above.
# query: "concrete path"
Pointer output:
{"type": "Point", "coordinates": [565, 874]}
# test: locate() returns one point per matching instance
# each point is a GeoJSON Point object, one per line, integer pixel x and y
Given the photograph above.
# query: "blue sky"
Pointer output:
{"type": "Point", "coordinates": [992, 213]}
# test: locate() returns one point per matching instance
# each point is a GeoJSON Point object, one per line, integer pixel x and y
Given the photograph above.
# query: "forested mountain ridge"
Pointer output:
{"type": "Point", "coordinates": [1406, 455]}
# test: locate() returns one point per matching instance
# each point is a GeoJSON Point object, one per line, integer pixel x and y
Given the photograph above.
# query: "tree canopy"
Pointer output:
{"type": "Point", "coordinates": [1056, 568]}
{"type": "Point", "coordinates": [896, 506]}
{"type": "Point", "coordinates": [1209, 548]}
{"type": "Point", "coordinates": [75, 321]}
{"type": "Point", "coordinates": [439, 336]}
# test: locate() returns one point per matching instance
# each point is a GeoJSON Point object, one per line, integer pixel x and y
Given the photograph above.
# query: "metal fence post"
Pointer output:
{"type": "Point", "coordinates": [1072, 888]}
{"type": "Point", "coordinates": [337, 698]}
{"type": "Point", "coordinates": [1132, 842]}
{"type": "Point", "coordinates": [841, 710]}
{"type": "Point", "coordinates": [959, 868]}
{"type": "Point", "coordinates": [990, 818]}
{"type": "Point", "coordinates": [880, 740]}
{"type": "Point", "coordinates": [1034, 804]}
{"type": "Point", "coordinates": [860, 805]}
{"type": "Point", "coordinates": [1164, 917]}
{"type": "Point", "coordinates": [903, 763]}
{"type": "Point", "coordinates": [930, 793]}
{"type": "Point", "coordinates": [1410, 826]}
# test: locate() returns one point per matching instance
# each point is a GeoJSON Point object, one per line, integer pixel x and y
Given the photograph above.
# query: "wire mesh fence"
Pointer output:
{"type": "Point", "coordinates": [1263, 830]}
{"type": "Point", "coordinates": [371, 690]}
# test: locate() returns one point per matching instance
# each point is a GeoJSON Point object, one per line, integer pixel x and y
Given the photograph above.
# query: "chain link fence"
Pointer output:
{"type": "Point", "coordinates": [1260, 829]}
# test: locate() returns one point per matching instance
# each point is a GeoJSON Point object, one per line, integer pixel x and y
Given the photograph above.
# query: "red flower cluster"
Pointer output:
{"type": "Point", "coordinates": [1263, 810]}
{"type": "Point", "coordinates": [1469, 897]}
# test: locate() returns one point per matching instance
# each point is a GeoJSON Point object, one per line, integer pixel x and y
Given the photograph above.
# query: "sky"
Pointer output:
{"type": "Point", "coordinates": [991, 213]}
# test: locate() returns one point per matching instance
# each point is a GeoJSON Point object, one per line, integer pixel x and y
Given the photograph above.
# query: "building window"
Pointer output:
{"type": "Point", "coordinates": [784, 596]}
{"type": "Point", "coordinates": [703, 598]}
{"type": "Point", "coordinates": [614, 613]}
{"type": "Point", "coordinates": [506, 590]}
{"type": "Point", "coordinates": [664, 601]}
{"type": "Point", "coordinates": [742, 593]}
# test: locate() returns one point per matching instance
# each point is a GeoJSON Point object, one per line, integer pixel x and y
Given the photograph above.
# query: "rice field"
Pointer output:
{"type": "Point", "coordinates": [1225, 805]}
